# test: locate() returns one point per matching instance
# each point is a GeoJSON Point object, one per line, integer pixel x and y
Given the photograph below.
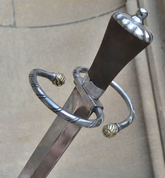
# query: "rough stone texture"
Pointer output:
{"type": "Point", "coordinates": [156, 54]}
{"type": "Point", "coordinates": [6, 12]}
{"type": "Point", "coordinates": [24, 119]}
{"type": "Point", "coordinates": [50, 12]}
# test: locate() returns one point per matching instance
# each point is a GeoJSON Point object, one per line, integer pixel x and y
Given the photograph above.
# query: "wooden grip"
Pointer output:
{"type": "Point", "coordinates": [117, 49]}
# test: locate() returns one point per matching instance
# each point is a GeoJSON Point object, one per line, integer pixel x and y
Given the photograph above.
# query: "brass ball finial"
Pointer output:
{"type": "Point", "coordinates": [110, 130]}
{"type": "Point", "coordinates": [59, 79]}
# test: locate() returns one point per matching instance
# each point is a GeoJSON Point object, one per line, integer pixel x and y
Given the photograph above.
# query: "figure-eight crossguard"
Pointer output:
{"type": "Point", "coordinates": [83, 85]}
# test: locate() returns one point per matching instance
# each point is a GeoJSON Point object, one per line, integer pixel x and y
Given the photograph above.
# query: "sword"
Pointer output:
{"type": "Point", "coordinates": [124, 38]}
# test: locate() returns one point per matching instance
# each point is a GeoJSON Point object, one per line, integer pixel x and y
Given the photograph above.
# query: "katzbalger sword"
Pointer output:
{"type": "Point", "coordinates": [124, 38]}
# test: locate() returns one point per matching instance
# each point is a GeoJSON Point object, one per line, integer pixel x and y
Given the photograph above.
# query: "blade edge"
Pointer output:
{"type": "Point", "coordinates": [53, 139]}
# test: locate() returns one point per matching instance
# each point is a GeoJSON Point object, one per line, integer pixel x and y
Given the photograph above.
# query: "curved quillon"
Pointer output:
{"type": "Point", "coordinates": [111, 129]}
{"type": "Point", "coordinates": [55, 107]}
{"type": "Point", "coordinates": [94, 104]}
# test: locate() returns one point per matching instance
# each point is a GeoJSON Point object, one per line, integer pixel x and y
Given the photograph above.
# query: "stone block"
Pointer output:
{"type": "Point", "coordinates": [6, 13]}
{"type": "Point", "coordinates": [50, 12]}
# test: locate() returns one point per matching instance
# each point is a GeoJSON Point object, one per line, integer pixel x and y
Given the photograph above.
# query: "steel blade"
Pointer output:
{"type": "Point", "coordinates": [56, 140]}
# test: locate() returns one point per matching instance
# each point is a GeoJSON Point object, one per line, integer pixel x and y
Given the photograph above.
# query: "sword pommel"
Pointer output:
{"type": "Point", "coordinates": [125, 37]}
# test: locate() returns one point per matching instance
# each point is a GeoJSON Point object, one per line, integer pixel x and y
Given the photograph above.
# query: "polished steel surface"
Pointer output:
{"type": "Point", "coordinates": [56, 108]}
{"type": "Point", "coordinates": [78, 80]}
{"type": "Point", "coordinates": [88, 99]}
{"type": "Point", "coordinates": [56, 140]}
{"type": "Point", "coordinates": [92, 90]}
{"type": "Point", "coordinates": [127, 100]}
{"type": "Point", "coordinates": [111, 129]}
{"type": "Point", "coordinates": [134, 24]}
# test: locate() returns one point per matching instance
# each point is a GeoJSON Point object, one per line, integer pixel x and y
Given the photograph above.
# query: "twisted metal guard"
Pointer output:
{"type": "Point", "coordinates": [108, 130]}
{"type": "Point", "coordinates": [56, 108]}
{"type": "Point", "coordinates": [111, 129]}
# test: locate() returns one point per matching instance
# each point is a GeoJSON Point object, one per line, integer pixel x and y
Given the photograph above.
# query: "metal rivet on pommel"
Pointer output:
{"type": "Point", "coordinates": [140, 15]}
{"type": "Point", "coordinates": [59, 79]}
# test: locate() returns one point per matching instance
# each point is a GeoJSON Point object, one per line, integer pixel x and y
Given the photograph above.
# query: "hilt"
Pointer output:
{"type": "Point", "coordinates": [124, 38]}
{"type": "Point", "coordinates": [94, 105]}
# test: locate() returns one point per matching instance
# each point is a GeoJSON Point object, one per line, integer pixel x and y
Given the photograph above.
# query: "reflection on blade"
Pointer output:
{"type": "Point", "coordinates": [56, 140]}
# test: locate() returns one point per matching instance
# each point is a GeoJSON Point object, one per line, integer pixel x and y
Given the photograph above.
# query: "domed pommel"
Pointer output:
{"type": "Point", "coordinates": [134, 24]}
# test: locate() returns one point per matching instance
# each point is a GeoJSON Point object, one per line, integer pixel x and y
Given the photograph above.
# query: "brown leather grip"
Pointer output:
{"type": "Point", "coordinates": [117, 49]}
